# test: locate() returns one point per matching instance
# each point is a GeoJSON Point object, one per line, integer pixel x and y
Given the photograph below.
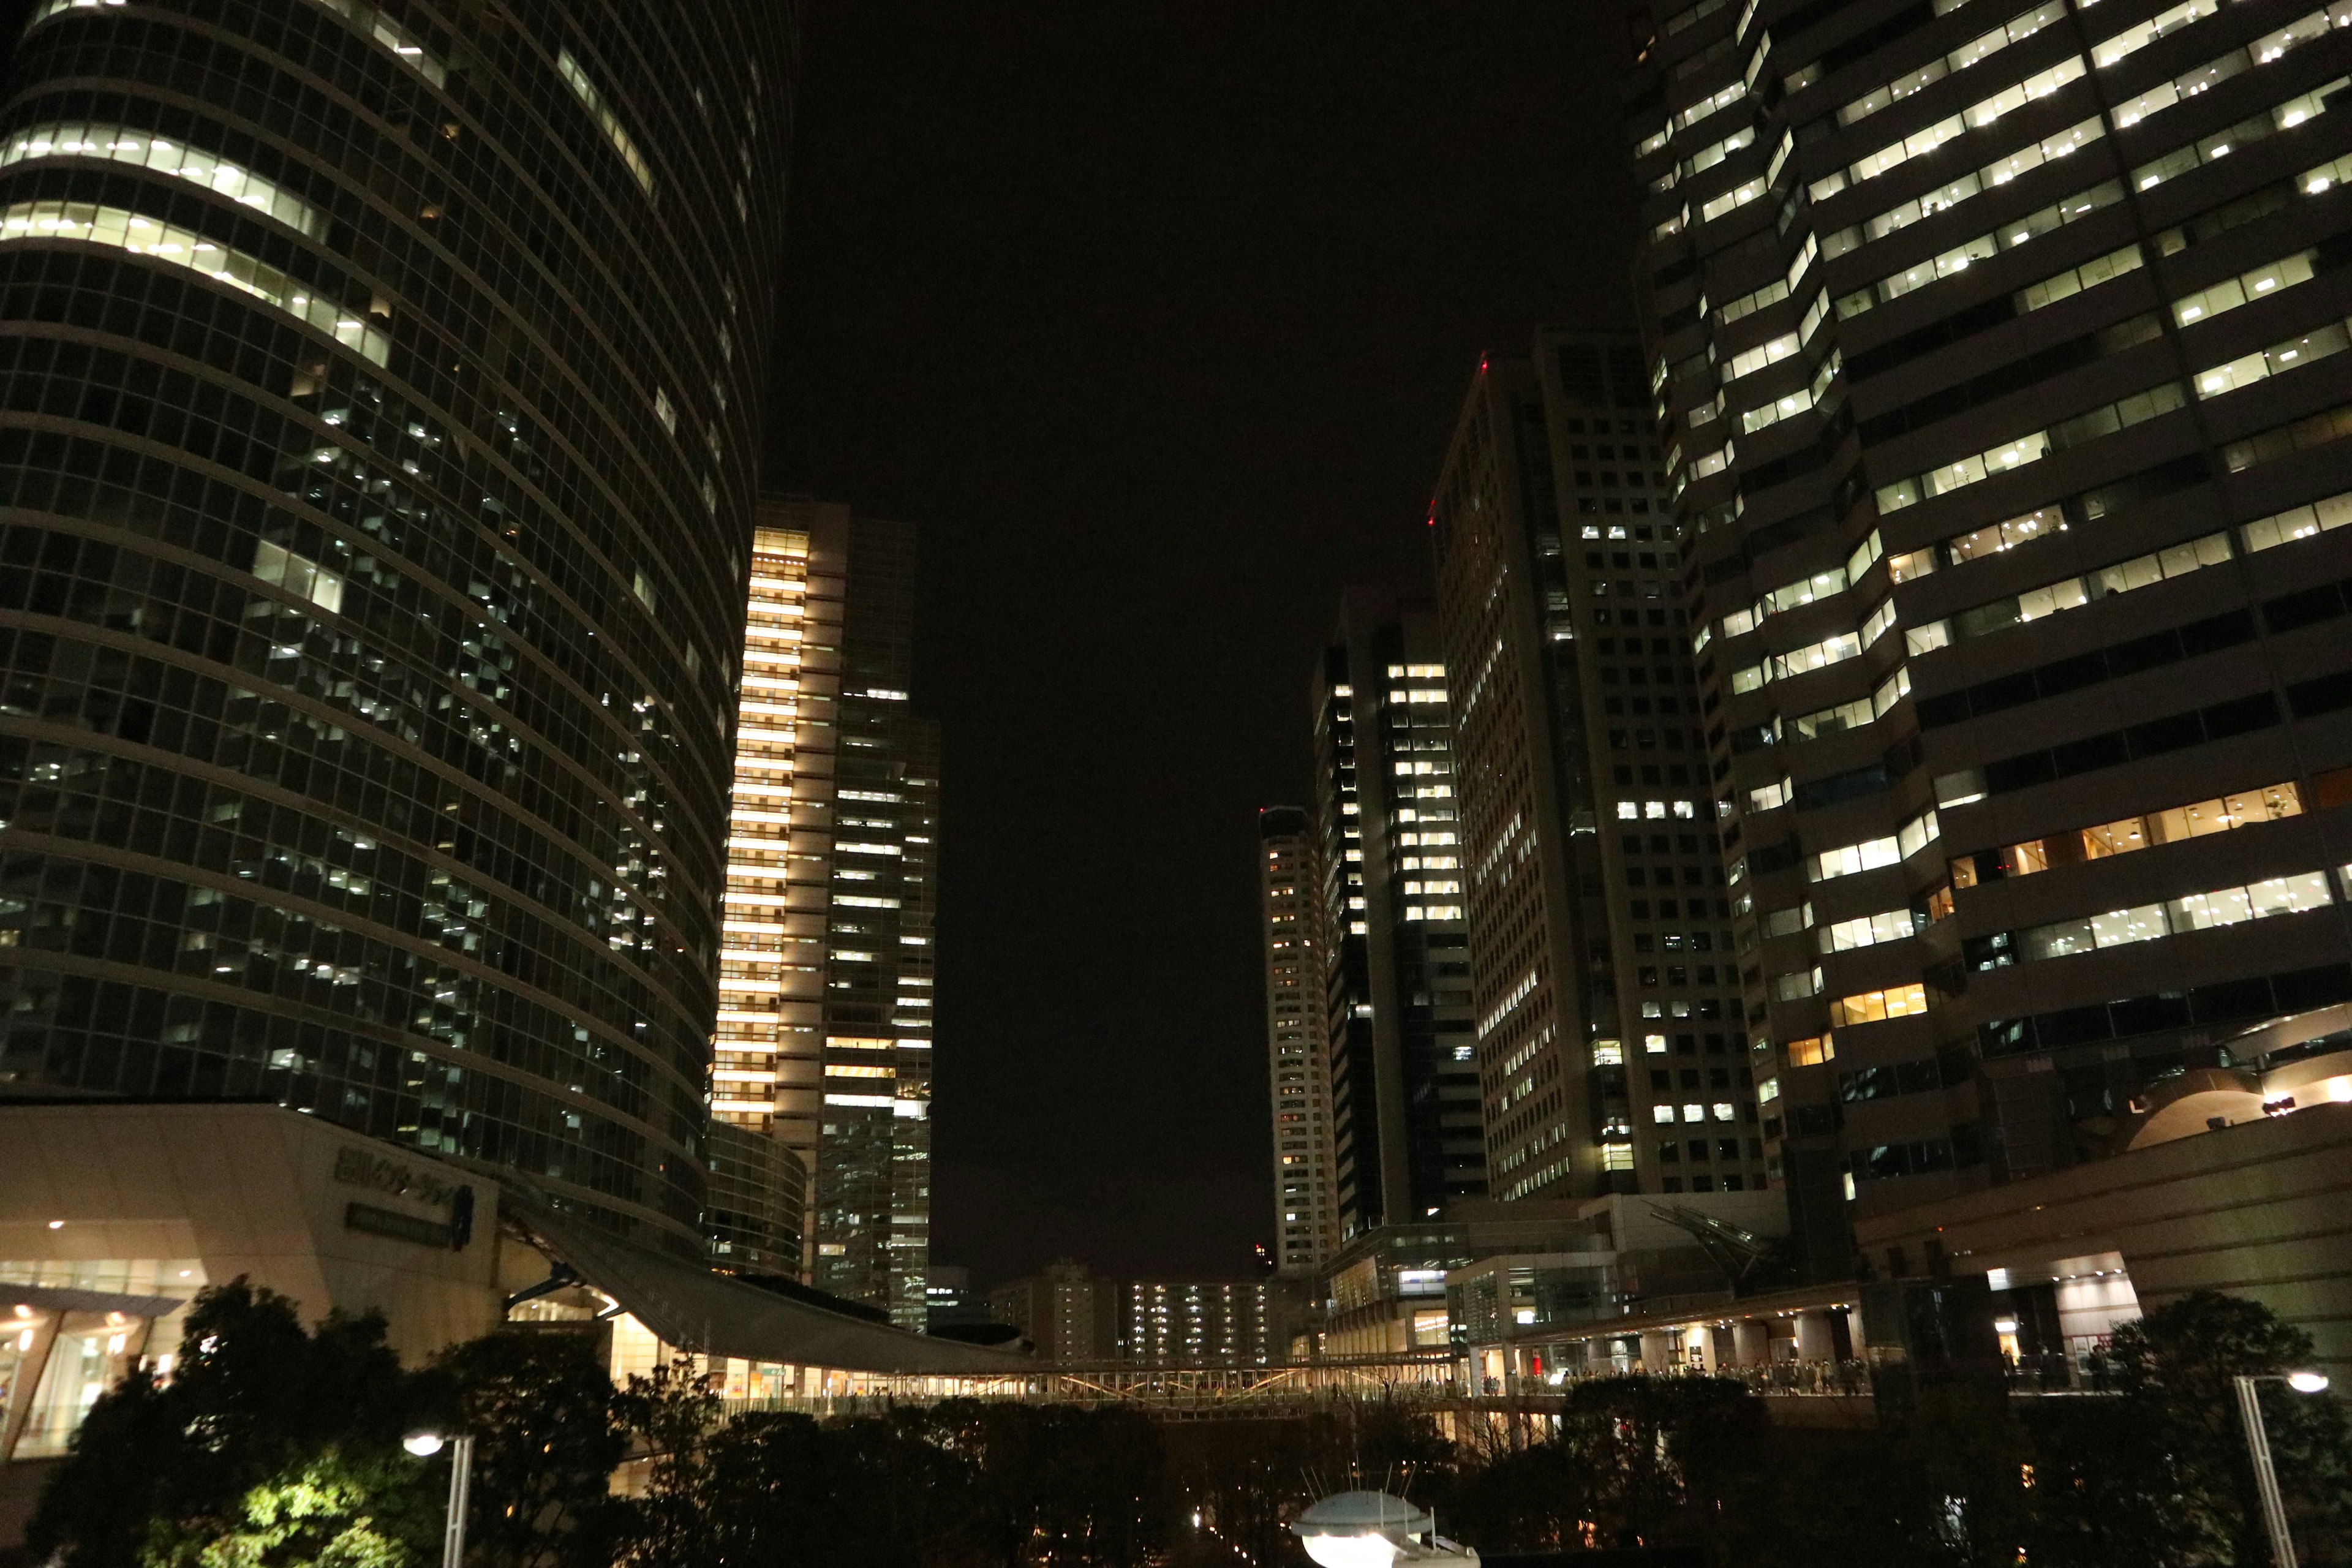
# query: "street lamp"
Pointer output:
{"type": "Point", "coordinates": [2258, 1445]}
{"type": "Point", "coordinates": [426, 1442]}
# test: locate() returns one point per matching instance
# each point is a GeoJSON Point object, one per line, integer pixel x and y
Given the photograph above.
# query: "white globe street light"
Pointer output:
{"type": "Point", "coordinates": [1373, 1529]}
{"type": "Point", "coordinates": [426, 1441]}
{"type": "Point", "coordinates": [2258, 1445]}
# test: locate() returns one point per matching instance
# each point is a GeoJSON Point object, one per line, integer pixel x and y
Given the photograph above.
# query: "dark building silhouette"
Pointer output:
{"type": "Point", "coordinates": [1610, 1052]}
{"type": "Point", "coordinates": [378, 399]}
{"type": "Point", "coordinates": [1396, 974]}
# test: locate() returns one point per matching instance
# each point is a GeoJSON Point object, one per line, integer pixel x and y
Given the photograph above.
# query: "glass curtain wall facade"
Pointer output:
{"type": "Point", "coordinates": [377, 407]}
{"type": "Point", "coordinates": [1405, 1098]}
{"type": "Point", "coordinates": [1609, 1051]}
{"type": "Point", "coordinates": [1306, 1226]}
{"type": "Point", "coordinates": [2000, 353]}
{"type": "Point", "coordinates": [871, 1219]}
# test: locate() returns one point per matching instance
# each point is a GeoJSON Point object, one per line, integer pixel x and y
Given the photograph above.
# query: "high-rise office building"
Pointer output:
{"type": "Point", "coordinates": [768, 1059]}
{"type": "Point", "coordinates": [378, 405]}
{"type": "Point", "coordinates": [1611, 1057]}
{"type": "Point", "coordinates": [873, 1213]}
{"type": "Point", "coordinates": [2001, 358]}
{"type": "Point", "coordinates": [1306, 1226]}
{"type": "Point", "coordinates": [1396, 988]}
{"type": "Point", "coordinates": [824, 1031]}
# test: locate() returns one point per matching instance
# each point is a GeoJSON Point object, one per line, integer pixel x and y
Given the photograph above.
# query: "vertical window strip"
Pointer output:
{"type": "Point", "coordinates": [576, 76]}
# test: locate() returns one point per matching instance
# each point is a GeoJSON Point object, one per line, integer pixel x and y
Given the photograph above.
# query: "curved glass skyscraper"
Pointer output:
{"type": "Point", "coordinates": [377, 412]}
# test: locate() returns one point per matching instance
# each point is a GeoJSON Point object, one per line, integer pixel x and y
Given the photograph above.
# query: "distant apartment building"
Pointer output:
{"type": "Point", "coordinates": [1606, 1009]}
{"type": "Point", "coordinates": [1226, 1323]}
{"type": "Point", "coordinates": [1398, 1025]}
{"type": "Point", "coordinates": [1298, 1072]}
{"type": "Point", "coordinates": [2000, 361]}
{"type": "Point", "coordinates": [1064, 1311]}
{"type": "Point", "coordinates": [825, 1024]}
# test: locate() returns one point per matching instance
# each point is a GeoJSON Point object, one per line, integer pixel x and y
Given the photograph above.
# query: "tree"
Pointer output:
{"type": "Point", "coordinates": [2172, 1467]}
{"type": "Point", "coordinates": [669, 1415]}
{"type": "Point", "coordinates": [271, 1445]}
{"type": "Point", "coordinates": [1660, 1454]}
{"type": "Point", "coordinates": [546, 1437]}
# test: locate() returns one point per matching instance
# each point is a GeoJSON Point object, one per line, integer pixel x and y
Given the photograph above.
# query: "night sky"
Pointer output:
{"type": "Point", "coordinates": [1157, 318]}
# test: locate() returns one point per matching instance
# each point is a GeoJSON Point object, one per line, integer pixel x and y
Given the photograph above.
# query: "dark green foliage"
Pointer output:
{"type": "Point", "coordinates": [271, 1445]}
{"type": "Point", "coordinates": [278, 1444]}
{"type": "Point", "coordinates": [543, 1412]}
{"type": "Point", "coordinates": [2163, 1475]}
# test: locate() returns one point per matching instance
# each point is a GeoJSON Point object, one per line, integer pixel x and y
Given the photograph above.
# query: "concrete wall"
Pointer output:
{"type": "Point", "coordinates": [253, 1190]}
{"type": "Point", "coordinates": [2262, 1209]}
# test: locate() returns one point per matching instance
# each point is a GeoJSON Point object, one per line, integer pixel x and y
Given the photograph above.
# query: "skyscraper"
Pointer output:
{"type": "Point", "coordinates": [871, 1219]}
{"type": "Point", "coordinates": [1610, 1053]}
{"type": "Point", "coordinates": [1396, 992]}
{"type": "Point", "coordinates": [1298, 1073]}
{"type": "Point", "coordinates": [824, 1031]}
{"type": "Point", "coordinates": [1998, 354]}
{"type": "Point", "coordinates": [768, 1061]}
{"type": "Point", "coordinates": [378, 395]}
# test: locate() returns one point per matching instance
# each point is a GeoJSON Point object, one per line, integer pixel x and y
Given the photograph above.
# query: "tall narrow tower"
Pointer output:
{"type": "Point", "coordinates": [1406, 1133]}
{"type": "Point", "coordinates": [1306, 1226]}
{"type": "Point", "coordinates": [1610, 1056]}
{"type": "Point", "coordinates": [825, 1041]}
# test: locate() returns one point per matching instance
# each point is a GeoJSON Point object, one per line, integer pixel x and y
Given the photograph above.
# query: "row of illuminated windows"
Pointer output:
{"type": "Point", "coordinates": [2198, 819]}
{"type": "Point", "coordinates": [127, 230]}
{"type": "Point", "coordinates": [2306, 348]}
{"type": "Point", "coordinates": [1871, 854]}
{"type": "Point", "coordinates": [125, 144]}
{"type": "Point", "coordinates": [1719, 1110]}
{"type": "Point", "coordinates": [2002, 172]}
{"type": "Point", "coordinates": [2164, 566]}
{"type": "Point", "coordinates": [2017, 28]}
{"type": "Point", "coordinates": [2072, 208]}
{"type": "Point", "coordinates": [2287, 895]}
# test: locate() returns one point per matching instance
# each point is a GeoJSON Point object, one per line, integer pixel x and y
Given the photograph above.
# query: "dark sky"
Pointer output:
{"type": "Point", "coordinates": [1157, 318]}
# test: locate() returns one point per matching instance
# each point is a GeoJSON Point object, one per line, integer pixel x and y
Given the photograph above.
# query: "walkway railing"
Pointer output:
{"type": "Point", "coordinates": [1420, 1381]}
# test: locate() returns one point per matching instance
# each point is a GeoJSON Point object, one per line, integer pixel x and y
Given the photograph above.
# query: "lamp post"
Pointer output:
{"type": "Point", "coordinates": [426, 1442]}
{"type": "Point", "coordinates": [2258, 1445]}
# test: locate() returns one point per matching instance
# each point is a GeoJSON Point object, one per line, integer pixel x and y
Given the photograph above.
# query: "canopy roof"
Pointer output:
{"type": "Point", "coordinates": [715, 1315]}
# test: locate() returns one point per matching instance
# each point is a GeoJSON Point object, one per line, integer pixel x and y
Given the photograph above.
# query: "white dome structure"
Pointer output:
{"type": "Point", "coordinates": [1374, 1529]}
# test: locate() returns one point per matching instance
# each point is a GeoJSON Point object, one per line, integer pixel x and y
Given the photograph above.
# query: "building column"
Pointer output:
{"type": "Point", "coordinates": [1813, 1339]}
{"type": "Point", "coordinates": [31, 1366]}
{"type": "Point", "coordinates": [1656, 1359]}
{"type": "Point", "coordinates": [1752, 1342]}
